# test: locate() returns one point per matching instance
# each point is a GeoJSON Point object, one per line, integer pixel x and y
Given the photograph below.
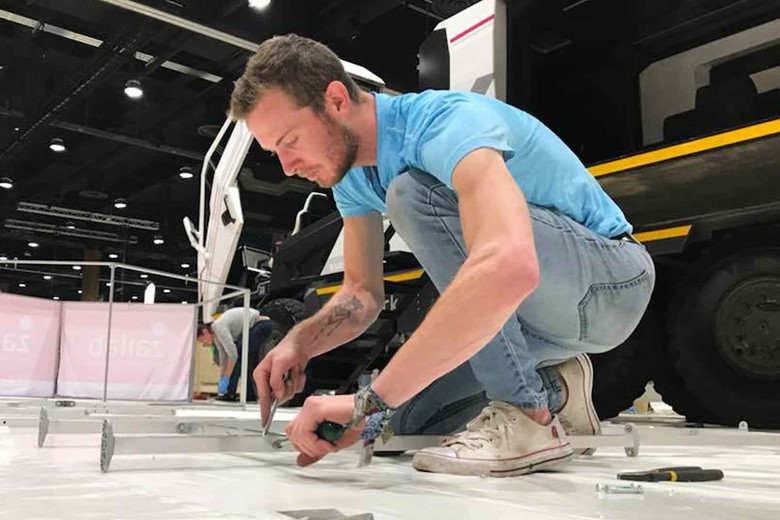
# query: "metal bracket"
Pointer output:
{"type": "Point", "coordinates": [633, 435]}
{"type": "Point", "coordinates": [628, 438]}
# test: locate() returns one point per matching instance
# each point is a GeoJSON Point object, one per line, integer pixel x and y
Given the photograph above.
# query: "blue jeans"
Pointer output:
{"type": "Point", "coordinates": [591, 295]}
{"type": "Point", "coordinates": [258, 335]}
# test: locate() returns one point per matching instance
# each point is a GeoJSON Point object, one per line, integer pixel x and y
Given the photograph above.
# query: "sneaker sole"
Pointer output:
{"type": "Point", "coordinates": [530, 463]}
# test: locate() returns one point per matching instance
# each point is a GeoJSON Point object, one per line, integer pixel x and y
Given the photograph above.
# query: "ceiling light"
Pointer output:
{"type": "Point", "coordinates": [185, 266]}
{"type": "Point", "coordinates": [113, 256]}
{"type": "Point", "coordinates": [133, 89]}
{"type": "Point", "coordinates": [158, 240]}
{"type": "Point", "coordinates": [185, 172]}
{"type": "Point", "coordinates": [166, 291]}
{"type": "Point", "coordinates": [56, 298]}
{"type": "Point", "coordinates": [134, 298]}
{"type": "Point", "coordinates": [57, 145]}
{"type": "Point", "coordinates": [70, 225]}
{"type": "Point", "coordinates": [22, 285]}
{"type": "Point", "coordinates": [144, 276]}
{"type": "Point", "coordinates": [108, 284]}
{"type": "Point", "coordinates": [184, 302]}
{"type": "Point", "coordinates": [6, 183]}
{"type": "Point", "coordinates": [3, 258]}
{"type": "Point", "coordinates": [81, 292]}
{"type": "Point", "coordinates": [77, 268]}
{"type": "Point", "coordinates": [47, 277]}
{"type": "Point", "coordinates": [259, 4]}
{"type": "Point", "coordinates": [32, 244]}
{"type": "Point", "coordinates": [120, 203]}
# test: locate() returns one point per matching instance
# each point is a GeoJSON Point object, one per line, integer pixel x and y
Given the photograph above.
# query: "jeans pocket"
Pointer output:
{"type": "Point", "coordinates": [610, 312]}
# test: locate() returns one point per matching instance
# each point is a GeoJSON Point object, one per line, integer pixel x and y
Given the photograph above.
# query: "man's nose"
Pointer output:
{"type": "Point", "coordinates": [289, 163]}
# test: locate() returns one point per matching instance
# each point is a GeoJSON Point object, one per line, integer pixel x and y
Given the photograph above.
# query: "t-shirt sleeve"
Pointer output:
{"type": "Point", "coordinates": [451, 129]}
{"type": "Point", "coordinates": [348, 197]}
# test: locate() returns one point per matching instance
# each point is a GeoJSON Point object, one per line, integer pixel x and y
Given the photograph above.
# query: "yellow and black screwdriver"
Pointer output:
{"type": "Point", "coordinates": [673, 474]}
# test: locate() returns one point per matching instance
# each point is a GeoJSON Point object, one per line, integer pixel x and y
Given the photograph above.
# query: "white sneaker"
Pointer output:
{"type": "Point", "coordinates": [578, 416]}
{"type": "Point", "coordinates": [500, 442]}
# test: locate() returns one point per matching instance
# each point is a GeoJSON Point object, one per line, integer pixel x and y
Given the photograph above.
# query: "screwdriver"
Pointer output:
{"type": "Point", "coordinates": [674, 474]}
{"type": "Point", "coordinates": [330, 431]}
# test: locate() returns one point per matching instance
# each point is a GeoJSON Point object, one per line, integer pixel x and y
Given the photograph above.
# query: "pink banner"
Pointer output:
{"type": "Point", "coordinates": [151, 351]}
{"type": "Point", "coordinates": [29, 336]}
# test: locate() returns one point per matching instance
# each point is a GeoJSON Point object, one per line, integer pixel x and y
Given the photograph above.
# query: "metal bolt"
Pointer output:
{"type": "Point", "coordinates": [620, 490]}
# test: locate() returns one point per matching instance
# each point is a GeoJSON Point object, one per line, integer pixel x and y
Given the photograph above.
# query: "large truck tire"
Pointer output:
{"type": "Point", "coordinates": [725, 336]}
{"type": "Point", "coordinates": [285, 313]}
{"type": "Point", "coordinates": [668, 383]}
{"type": "Point", "coordinates": [620, 375]}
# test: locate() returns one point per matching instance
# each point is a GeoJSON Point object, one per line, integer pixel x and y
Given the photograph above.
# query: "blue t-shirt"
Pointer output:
{"type": "Point", "coordinates": [432, 131]}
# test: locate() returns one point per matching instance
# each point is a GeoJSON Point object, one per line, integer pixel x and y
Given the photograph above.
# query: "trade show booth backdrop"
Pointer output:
{"type": "Point", "coordinates": [51, 348]}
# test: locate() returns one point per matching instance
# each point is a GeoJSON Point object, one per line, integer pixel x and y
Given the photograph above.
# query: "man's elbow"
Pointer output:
{"type": "Point", "coordinates": [371, 302]}
{"type": "Point", "coordinates": [516, 273]}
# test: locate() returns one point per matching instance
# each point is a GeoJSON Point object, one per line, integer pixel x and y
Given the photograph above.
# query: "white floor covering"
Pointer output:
{"type": "Point", "coordinates": [63, 480]}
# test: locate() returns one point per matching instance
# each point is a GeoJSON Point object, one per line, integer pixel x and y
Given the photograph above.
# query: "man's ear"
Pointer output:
{"type": "Point", "coordinates": [337, 98]}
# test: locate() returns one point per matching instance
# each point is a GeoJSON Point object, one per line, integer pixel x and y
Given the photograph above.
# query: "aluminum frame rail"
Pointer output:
{"type": "Point", "coordinates": [627, 436]}
{"type": "Point", "coordinates": [238, 441]}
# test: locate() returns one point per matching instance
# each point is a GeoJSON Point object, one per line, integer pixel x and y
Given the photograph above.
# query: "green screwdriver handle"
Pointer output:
{"type": "Point", "coordinates": [330, 431]}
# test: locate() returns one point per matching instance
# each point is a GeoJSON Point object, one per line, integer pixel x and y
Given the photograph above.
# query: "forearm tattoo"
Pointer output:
{"type": "Point", "coordinates": [340, 312]}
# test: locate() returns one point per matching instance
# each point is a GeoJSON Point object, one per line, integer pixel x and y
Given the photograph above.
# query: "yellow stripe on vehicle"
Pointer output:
{"type": "Point", "coordinates": [403, 277]}
{"type": "Point", "coordinates": [687, 148]}
{"type": "Point", "coordinates": [673, 474]}
{"type": "Point", "coordinates": [663, 234]}
{"type": "Point", "coordinates": [400, 277]}
{"type": "Point", "coordinates": [646, 236]}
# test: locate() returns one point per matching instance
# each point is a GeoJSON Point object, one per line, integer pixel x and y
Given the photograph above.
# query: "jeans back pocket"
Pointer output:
{"type": "Point", "coordinates": [610, 312]}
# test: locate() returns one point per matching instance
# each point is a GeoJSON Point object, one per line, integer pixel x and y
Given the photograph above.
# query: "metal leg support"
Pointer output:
{"type": "Point", "coordinates": [106, 446]}
{"type": "Point", "coordinates": [43, 426]}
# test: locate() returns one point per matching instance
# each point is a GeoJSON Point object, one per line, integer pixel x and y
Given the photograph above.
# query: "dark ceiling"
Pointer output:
{"type": "Point", "coordinates": [64, 67]}
{"type": "Point", "coordinates": [65, 64]}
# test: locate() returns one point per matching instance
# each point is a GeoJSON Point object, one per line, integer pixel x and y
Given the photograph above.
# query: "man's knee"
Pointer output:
{"type": "Point", "coordinates": [415, 193]}
{"type": "Point", "coordinates": [402, 194]}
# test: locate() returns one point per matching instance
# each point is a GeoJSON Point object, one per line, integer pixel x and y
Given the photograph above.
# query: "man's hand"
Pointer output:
{"type": "Point", "coordinates": [302, 431]}
{"type": "Point", "coordinates": [286, 358]}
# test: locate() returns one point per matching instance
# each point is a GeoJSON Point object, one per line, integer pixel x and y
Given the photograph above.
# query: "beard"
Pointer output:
{"type": "Point", "coordinates": [343, 150]}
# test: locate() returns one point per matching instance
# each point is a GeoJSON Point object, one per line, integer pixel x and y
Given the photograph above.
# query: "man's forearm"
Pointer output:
{"type": "Point", "coordinates": [346, 316]}
{"type": "Point", "coordinates": [227, 368]}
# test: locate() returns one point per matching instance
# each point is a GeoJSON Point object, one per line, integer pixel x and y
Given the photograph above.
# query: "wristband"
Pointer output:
{"type": "Point", "coordinates": [377, 413]}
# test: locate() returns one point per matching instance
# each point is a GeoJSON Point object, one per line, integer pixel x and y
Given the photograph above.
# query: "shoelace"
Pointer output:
{"type": "Point", "coordinates": [492, 424]}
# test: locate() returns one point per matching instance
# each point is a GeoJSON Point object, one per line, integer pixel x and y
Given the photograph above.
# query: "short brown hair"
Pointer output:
{"type": "Point", "coordinates": [301, 67]}
{"type": "Point", "coordinates": [203, 327]}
